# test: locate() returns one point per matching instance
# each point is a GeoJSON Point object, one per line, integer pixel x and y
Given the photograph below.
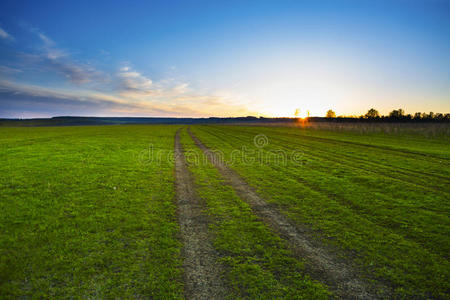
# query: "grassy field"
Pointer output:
{"type": "Point", "coordinates": [257, 262]}
{"type": "Point", "coordinates": [84, 214]}
{"type": "Point", "coordinates": [383, 203]}
{"type": "Point", "coordinates": [91, 211]}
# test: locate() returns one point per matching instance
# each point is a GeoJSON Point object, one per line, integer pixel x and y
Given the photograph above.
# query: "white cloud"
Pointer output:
{"type": "Point", "coordinates": [48, 42]}
{"type": "Point", "coordinates": [135, 93]}
{"type": "Point", "coordinates": [5, 35]}
{"type": "Point", "coordinates": [181, 88]}
{"type": "Point", "coordinates": [171, 97]}
{"type": "Point", "coordinates": [63, 102]}
{"type": "Point", "coordinates": [134, 82]}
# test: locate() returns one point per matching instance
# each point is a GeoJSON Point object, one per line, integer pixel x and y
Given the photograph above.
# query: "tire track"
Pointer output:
{"type": "Point", "coordinates": [202, 272]}
{"type": "Point", "coordinates": [411, 235]}
{"type": "Point", "coordinates": [344, 280]}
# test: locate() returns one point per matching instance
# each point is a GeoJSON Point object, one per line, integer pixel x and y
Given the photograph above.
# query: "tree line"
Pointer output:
{"type": "Point", "coordinates": [396, 114]}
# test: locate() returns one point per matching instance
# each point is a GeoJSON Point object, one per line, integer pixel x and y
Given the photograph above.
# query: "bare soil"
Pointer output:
{"type": "Point", "coordinates": [202, 272]}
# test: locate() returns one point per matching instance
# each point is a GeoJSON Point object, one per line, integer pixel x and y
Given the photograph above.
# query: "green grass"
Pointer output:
{"type": "Point", "coordinates": [381, 201]}
{"type": "Point", "coordinates": [258, 263]}
{"type": "Point", "coordinates": [435, 143]}
{"type": "Point", "coordinates": [84, 216]}
{"type": "Point", "coordinates": [87, 214]}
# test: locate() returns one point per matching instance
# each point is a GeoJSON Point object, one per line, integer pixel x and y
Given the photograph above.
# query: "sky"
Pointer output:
{"type": "Point", "coordinates": [223, 58]}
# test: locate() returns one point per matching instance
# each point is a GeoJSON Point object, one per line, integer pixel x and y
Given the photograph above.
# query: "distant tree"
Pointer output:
{"type": "Point", "coordinates": [439, 117]}
{"type": "Point", "coordinates": [372, 114]}
{"type": "Point", "coordinates": [417, 116]}
{"type": "Point", "coordinates": [431, 115]}
{"type": "Point", "coordinates": [397, 113]}
{"type": "Point", "coordinates": [331, 114]}
{"type": "Point", "coordinates": [297, 112]}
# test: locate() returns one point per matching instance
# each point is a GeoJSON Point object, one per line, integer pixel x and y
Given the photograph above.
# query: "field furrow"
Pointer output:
{"type": "Point", "coordinates": [398, 229]}
{"type": "Point", "coordinates": [385, 165]}
{"type": "Point", "coordinates": [344, 280]}
{"type": "Point", "coordinates": [259, 264]}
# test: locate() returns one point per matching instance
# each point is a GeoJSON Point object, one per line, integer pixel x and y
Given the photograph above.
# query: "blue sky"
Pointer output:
{"type": "Point", "coordinates": [223, 58]}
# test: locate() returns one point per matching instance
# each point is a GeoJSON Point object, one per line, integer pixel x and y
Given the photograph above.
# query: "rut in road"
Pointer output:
{"type": "Point", "coordinates": [202, 272]}
{"type": "Point", "coordinates": [343, 279]}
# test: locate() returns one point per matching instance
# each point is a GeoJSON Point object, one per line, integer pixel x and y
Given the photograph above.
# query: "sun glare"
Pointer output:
{"type": "Point", "coordinates": [302, 114]}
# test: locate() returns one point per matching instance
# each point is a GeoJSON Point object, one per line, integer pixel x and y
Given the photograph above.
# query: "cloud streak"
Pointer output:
{"type": "Point", "coordinates": [32, 100]}
{"type": "Point", "coordinates": [5, 35]}
{"type": "Point", "coordinates": [135, 82]}
{"type": "Point", "coordinates": [60, 61]}
{"type": "Point", "coordinates": [127, 92]}
{"type": "Point", "coordinates": [29, 100]}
